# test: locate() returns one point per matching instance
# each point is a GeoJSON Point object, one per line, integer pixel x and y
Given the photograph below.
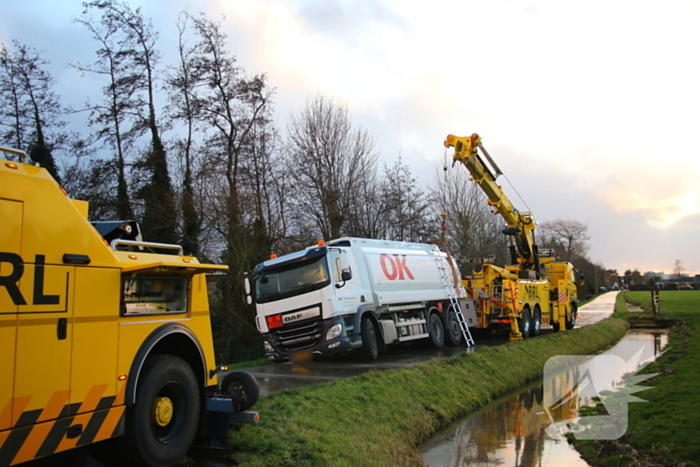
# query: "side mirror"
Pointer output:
{"type": "Point", "coordinates": [343, 264]}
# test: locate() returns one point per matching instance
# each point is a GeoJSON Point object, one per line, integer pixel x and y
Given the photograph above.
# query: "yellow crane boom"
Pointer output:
{"type": "Point", "coordinates": [520, 226]}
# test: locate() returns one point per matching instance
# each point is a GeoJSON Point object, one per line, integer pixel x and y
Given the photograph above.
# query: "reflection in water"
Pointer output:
{"type": "Point", "coordinates": [517, 430]}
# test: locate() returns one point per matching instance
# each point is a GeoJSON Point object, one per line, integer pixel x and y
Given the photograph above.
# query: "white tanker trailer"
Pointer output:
{"type": "Point", "coordinates": [358, 294]}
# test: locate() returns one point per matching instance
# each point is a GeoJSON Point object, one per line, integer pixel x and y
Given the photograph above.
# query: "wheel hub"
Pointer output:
{"type": "Point", "coordinates": [163, 410]}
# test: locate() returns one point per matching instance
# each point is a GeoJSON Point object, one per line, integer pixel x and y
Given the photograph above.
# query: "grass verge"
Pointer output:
{"type": "Point", "coordinates": [380, 417]}
{"type": "Point", "coordinates": [249, 364]}
{"type": "Point", "coordinates": [664, 431]}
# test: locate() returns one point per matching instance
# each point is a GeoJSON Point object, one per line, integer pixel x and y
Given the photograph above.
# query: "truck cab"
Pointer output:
{"type": "Point", "coordinates": [307, 301]}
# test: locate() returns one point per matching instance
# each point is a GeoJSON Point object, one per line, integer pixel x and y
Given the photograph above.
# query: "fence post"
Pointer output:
{"type": "Point", "coordinates": [655, 304]}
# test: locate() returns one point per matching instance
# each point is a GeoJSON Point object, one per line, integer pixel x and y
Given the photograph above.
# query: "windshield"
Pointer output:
{"type": "Point", "coordinates": [299, 278]}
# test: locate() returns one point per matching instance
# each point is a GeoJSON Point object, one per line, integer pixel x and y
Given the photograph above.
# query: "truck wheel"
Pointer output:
{"type": "Point", "coordinates": [525, 323]}
{"type": "Point", "coordinates": [454, 332]}
{"type": "Point", "coordinates": [370, 348]}
{"type": "Point", "coordinates": [242, 388]}
{"type": "Point", "coordinates": [536, 321]}
{"type": "Point", "coordinates": [436, 330]}
{"type": "Point", "coordinates": [161, 425]}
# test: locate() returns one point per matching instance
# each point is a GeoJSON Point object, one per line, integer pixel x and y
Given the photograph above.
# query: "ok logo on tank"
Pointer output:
{"type": "Point", "coordinates": [394, 267]}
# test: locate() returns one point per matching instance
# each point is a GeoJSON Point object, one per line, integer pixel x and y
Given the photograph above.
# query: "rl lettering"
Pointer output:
{"type": "Point", "coordinates": [395, 267]}
{"type": "Point", "coordinates": [10, 281]}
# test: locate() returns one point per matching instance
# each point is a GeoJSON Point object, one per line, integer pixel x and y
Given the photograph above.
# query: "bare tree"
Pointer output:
{"type": "Point", "coordinates": [13, 111]}
{"type": "Point", "coordinates": [332, 160]}
{"type": "Point", "coordinates": [571, 235]}
{"type": "Point", "coordinates": [678, 269]}
{"type": "Point", "coordinates": [181, 83]}
{"type": "Point", "coordinates": [233, 115]}
{"type": "Point", "coordinates": [235, 109]}
{"type": "Point", "coordinates": [90, 178]}
{"type": "Point", "coordinates": [368, 214]}
{"type": "Point", "coordinates": [407, 208]}
{"type": "Point", "coordinates": [159, 222]}
{"type": "Point", "coordinates": [474, 231]}
{"type": "Point", "coordinates": [30, 110]}
{"type": "Point", "coordinates": [113, 116]}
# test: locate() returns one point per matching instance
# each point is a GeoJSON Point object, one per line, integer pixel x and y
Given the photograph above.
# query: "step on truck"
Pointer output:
{"type": "Point", "coordinates": [105, 339]}
{"type": "Point", "coordinates": [359, 294]}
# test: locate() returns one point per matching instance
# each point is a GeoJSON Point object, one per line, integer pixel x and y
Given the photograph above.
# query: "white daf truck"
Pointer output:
{"type": "Point", "coordinates": [358, 294]}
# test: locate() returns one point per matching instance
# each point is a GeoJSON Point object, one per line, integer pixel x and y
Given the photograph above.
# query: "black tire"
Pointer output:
{"type": "Point", "coordinates": [571, 318]}
{"type": "Point", "coordinates": [536, 322]}
{"type": "Point", "coordinates": [161, 436]}
{"type": "Point", "coordinates": [436, 330]}
{"type": "Point", "coordinates": [370, 347]}
{"type": "Point", "coordinates": [556, 326]}
{"type": "Point", "coordinates": [242, 388]}
{"type": "Point", "coordinates": [453, 331]}
{"type": "Point", "coordinates": [525, 323]}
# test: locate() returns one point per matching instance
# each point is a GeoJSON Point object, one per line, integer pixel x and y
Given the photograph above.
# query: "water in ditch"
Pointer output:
{"type": "Point", "coordinates": [525, 428]}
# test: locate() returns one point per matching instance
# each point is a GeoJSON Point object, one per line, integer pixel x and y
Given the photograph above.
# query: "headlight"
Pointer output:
{"type": "Point", "coordinates": [334, 331]}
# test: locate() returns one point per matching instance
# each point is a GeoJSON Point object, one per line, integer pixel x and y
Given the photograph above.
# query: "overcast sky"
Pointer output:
{"type": "Point", "coordinates": [591, 108]}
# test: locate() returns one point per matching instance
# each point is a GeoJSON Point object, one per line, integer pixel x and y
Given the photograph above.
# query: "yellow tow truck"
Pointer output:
{"type": "Point", "coordinates": [536, 288]}
{"type": "Point", "coordinates": [102, 336]}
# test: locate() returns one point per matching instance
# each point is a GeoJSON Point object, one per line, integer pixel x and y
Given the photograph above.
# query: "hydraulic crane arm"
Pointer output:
{"type": "Point", "coordinates": [520, 226]}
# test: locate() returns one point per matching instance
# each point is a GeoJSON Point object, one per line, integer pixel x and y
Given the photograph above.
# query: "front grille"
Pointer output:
{"type": "Point", "coordinates": [298, 336]}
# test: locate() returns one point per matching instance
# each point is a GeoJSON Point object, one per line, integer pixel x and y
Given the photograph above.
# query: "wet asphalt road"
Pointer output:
{"type": "Point", "coordinates": [283, 376]}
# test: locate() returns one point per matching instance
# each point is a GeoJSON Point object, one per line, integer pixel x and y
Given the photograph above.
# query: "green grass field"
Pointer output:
{"type": "Point", "coordinates": [664, 431]}
{"type": "Point", "coordinates": [379, 418]}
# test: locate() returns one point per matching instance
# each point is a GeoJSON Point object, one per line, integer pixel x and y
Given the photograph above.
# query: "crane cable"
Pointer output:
{"type": "Point", "coordinates": [516, 192]}
{"type": "Point", "coordinates": [444, 168]}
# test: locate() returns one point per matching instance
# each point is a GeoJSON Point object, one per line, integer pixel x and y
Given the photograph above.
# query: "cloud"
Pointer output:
{"type": "Point", "coordinates": [590, 108]}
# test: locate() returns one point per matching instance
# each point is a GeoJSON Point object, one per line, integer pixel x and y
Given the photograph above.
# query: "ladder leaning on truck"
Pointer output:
{"type": "Point", "coordinates": [102, 337]}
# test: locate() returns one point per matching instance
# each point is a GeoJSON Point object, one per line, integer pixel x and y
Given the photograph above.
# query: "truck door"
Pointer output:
{"type": "Point", "coordinates": [347, 293]}
{"type": "Point", "coordinates": [95, 337]}
{"type": "Point", "coordinates": [10, 247]}
{"type": "Point", "coordinates": [44, 337]}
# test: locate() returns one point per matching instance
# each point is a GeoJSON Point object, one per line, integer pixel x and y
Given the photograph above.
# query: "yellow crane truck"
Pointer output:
{"type": "Point", "coordinates": [102, 337]}
{"type": "Point", "coordinates": [536, 288]}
